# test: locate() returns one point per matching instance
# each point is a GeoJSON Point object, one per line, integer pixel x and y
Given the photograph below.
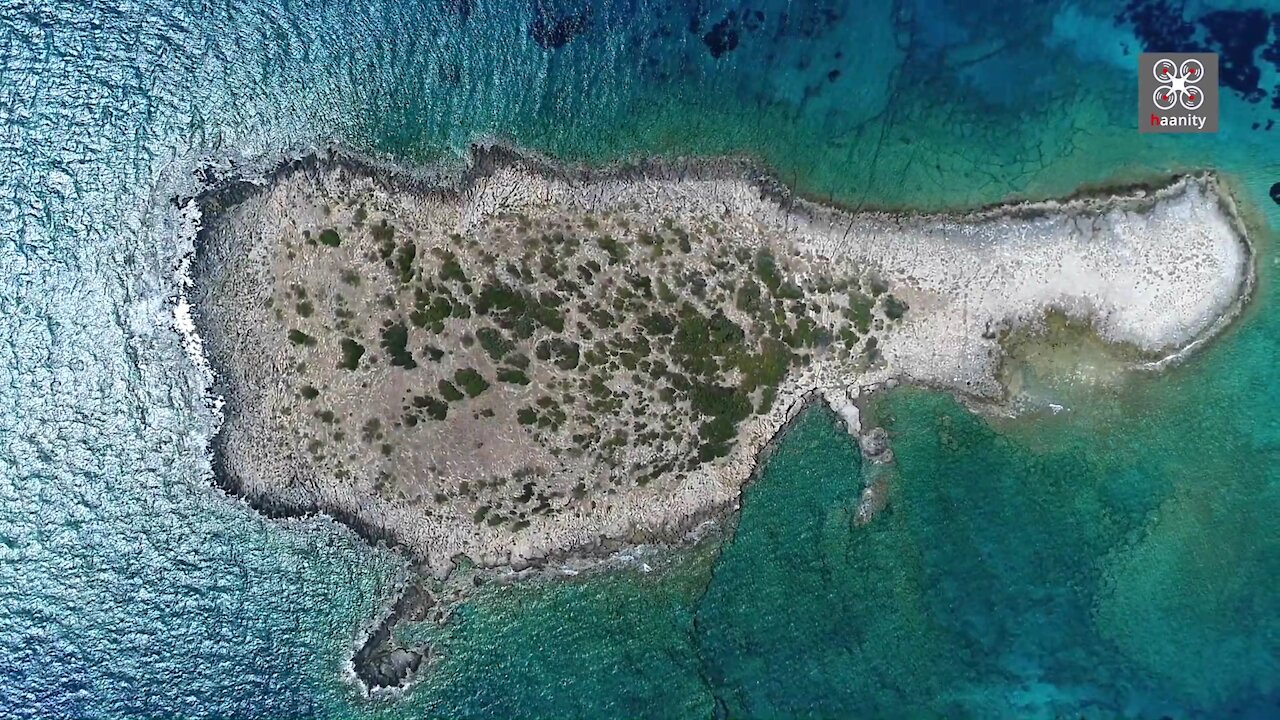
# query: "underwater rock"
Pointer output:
{"type": "Point", "coordinates": [722, 38]}
{"type": "Point", "coordinates": [551, 30]}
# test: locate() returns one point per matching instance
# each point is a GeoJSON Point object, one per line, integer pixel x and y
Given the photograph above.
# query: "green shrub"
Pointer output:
{"type": "Point", "coordinates": [435, 408]}
{"type": "Point", "coordinates": [495, 344]}
{"type": "Point", "coordinates": [297, 337]}
{"type": "Point", "coordinates": [404, 261]}
{"type": "Point", "coordinates": [894, 308]}
{"type": "Point", "coordinates": [395, 339]}
{"type": "Point", "coordinates": [860, 311]}
{"type": "Point", "coordinates": [748, 298]}
{"type": "Point", "coordinates": [451, 270]}
{"type": "Point", "coordinates": [512, 376]}
{"type": "Point", "coordinates": [449, 391]}
{"type": "Point", "coordinates": [617, 251]}
{"type": "Point", "coordinates": [352, 351]}
{"type": "Point", "coordinates": [432, 311]}
{"type": "Point", "coordinates": [472, 382]}
{"type": "Point", "coordinates": [767, 268]}
{"type": "Point", "coordinates": [384, 235]}
{"type": "Point", "coordinates": [497, 295]}
{"type": "Point", "coordinates": [658, 324]}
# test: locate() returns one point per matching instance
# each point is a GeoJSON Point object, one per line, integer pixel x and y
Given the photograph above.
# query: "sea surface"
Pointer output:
{"type": "Point", "coordinates": [1119, 557]}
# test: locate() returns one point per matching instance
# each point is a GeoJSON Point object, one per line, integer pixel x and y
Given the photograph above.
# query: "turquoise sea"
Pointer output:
{"type": "Point", "coordinates": [1118, 559]}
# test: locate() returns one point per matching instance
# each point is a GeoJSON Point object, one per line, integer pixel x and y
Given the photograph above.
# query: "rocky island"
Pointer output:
{"type": "Point", "coordinates": [533, 358]}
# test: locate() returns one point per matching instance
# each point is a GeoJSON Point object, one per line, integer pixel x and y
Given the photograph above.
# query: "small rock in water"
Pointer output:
{"type": "Point", "coordinates": [1275, 193]}
{"type": "Point", "coordinates": [875, 443]}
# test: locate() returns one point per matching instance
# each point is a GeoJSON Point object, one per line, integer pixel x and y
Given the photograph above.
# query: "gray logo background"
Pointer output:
{"type": "Point", "coordinates": [1180, 93]}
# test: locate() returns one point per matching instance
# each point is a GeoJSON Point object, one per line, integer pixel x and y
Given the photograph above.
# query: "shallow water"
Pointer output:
{"type": "Point", "coordinates": [1116, 558]}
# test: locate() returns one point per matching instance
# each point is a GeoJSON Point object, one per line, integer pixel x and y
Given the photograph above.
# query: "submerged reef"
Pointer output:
{"type": "Point", "coordinates": [535, 359]}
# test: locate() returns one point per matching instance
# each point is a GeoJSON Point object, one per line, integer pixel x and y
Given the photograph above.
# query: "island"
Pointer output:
{"type": "Point", "coordinates": [532, 359]}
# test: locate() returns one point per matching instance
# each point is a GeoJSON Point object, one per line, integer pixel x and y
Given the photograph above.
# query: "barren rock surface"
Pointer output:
{"type": "Point", "coordinates": [544, 358]}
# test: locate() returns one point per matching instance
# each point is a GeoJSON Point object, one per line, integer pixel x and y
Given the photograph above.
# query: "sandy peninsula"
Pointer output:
{"type": "Point", "coordinates": [532, 359]}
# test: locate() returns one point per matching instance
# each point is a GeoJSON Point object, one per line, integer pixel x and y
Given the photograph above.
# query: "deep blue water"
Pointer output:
{"type": "Point", "coordinates": [1118, 560]}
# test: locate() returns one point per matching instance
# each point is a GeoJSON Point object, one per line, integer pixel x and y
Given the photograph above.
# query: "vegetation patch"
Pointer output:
{"type": "Point", "coordinates": [297, 337]}
{"type": "Point", "coordinates": [449, 391]}
{"type": "Point", "coordinates": [395, 340]}
{"type": "Point", "coordinates": [435, 408]}
{"type": "Point", "coordinates": [512, 376]}
{"type": "Point", "coordinates": [894, 308]}
{"type": "Point", "coordinates": [352, 351]}
{"type": "Point", "coordinates": [472, 382]}
{"type": "Point", "coordinates": [607, 351]}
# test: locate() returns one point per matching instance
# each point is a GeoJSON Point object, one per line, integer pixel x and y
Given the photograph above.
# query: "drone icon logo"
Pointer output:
{"type": "Point", "coordinates": [1178, 84]}
{"type": "Point", "coordinates": [1178, 92]}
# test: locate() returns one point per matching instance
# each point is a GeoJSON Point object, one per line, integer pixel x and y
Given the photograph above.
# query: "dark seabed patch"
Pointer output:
{"type": "Point", "coordinates": [553, 28]}
{"type": "Point", "coordinates": [1243, 38]}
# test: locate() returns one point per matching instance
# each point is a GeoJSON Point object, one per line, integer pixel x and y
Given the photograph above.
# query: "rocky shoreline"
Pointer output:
{"type": "Point", "coordinates": [929, 298]}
